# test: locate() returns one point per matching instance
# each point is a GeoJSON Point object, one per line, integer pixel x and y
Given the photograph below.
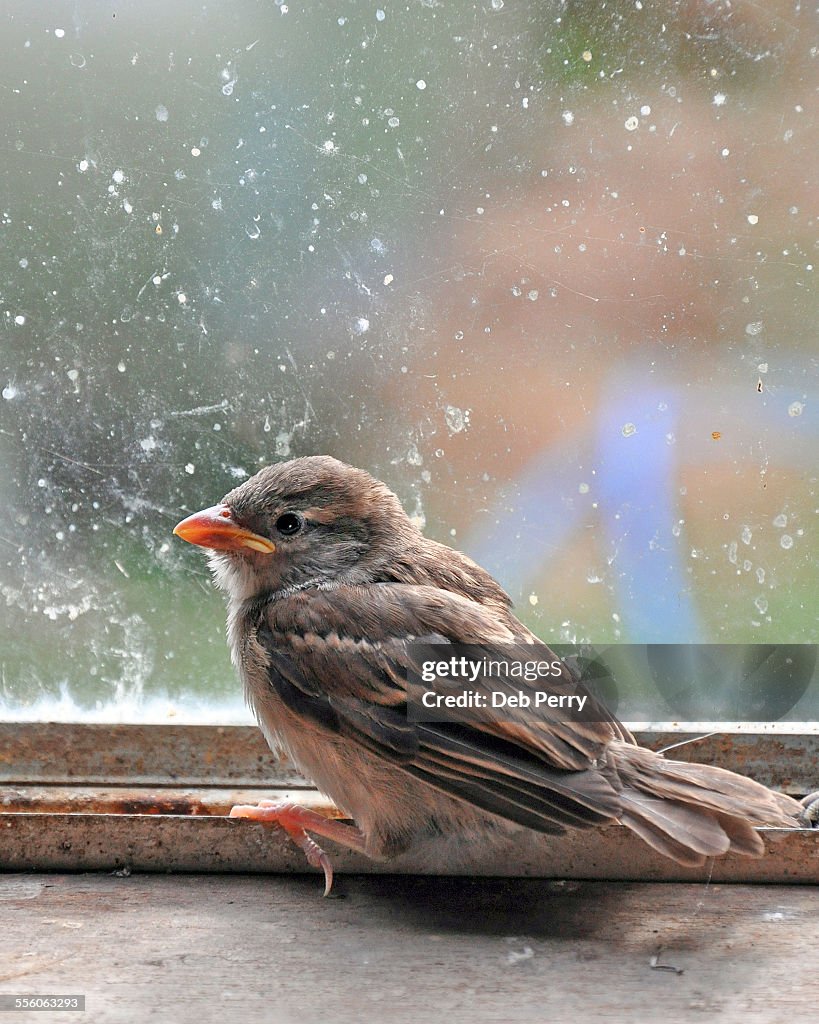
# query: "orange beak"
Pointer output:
{"type": "Point", "coordinates": [216, 528]}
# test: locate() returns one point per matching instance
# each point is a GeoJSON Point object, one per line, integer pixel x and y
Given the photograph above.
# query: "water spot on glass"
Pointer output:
{"type": "Point", "coordinates": [786, 541]}
{"type": "Point", "coordinates": [746, 535]}
{"type": "Point", "coordinates": [795, 409]}
{"type": "Point", "coordinates": [190, 469]}
{"type": "Point", "coordinates": [10, 391]}
{"type": "Point", "coordinates": [393, 122]}
{"type": "Point", "coordinates": [761, 605]}
{"type": "Point", "coordinates": [631, 123]}
{"type": "Point", "coordinates": [628, 429]}
{"type": "Point", "coordinates": [121, 367]}
{"type": "Point", "coordinates": [780, 521]}
{"type": "Point", "coordinates": [719, 99]}
{"type": "Point", "coordinates": [421, 84]}
{"type": "Point", "coordinates": [753, 218]}
{"type": "Point", "coordinates": [361, 325]}
{"type": "Point", "coordinates": [252, 231]}
{"type": "Point", "coordinates": [532, 295]}
{"type": "Point", "coordinates": [161, 113]}
{"type": "Point", "coordinates": [118, 176]}
{"type": "Point", "coordinates": [568, 117]}
{"type": "Point", "coordinates": [266, 426]}
{"type": "Point", "coordinates": [496, 5]}
{"type": "Point", "coordinates": [77, 60]}
{"type": "Point", "coordinates": [754, 328]}
{"type": "Point", "coordinates": [59, 33]}
{"type": "Point", "coordinates": [380, 15]}
{"type": "Point", "coordinates": [19, 319]}
{"type": "Point", "coordinates": [586, 55]}
{"type": "Point", "coordinates": [533, 599]}
{"type": "Point", "coordinates": [457, 419]}
{"type": "Point", "coordinates": [583, 488]}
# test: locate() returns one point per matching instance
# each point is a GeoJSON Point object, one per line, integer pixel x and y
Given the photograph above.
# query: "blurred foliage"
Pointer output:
{"type": "Point", "coordinates": [433, 240]}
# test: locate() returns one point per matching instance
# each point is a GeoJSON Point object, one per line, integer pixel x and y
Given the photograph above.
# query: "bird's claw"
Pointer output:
{"type": "Point", "coordinates": [316, 857]}
{"type": "Point", "coordinates": [810, 810]}
{"type": "Point", "coordinates": [292, 819]}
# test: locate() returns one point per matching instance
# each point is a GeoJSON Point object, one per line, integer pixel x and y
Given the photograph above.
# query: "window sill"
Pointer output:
{"type": "Point", "coordinates": [154, 798]}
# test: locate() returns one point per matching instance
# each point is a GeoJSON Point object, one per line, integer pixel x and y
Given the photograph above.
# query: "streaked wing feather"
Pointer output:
{"type": "Point", "coordinates": [537, 772]}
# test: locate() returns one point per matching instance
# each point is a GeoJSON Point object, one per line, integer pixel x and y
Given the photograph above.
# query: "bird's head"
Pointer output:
{"type": "Point", "coordinates": [311, 521]}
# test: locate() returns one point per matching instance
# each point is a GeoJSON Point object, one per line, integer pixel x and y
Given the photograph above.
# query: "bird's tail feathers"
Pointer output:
{"type": "Point", "coordinates": [693, 811]}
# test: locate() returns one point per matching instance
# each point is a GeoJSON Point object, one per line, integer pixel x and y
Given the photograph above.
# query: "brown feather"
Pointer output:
{"type": "Point", "coordinates": [320, 632]}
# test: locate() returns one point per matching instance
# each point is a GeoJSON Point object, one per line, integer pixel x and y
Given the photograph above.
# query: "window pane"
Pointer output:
{"type": "Point", "coordinates": [545, 268]}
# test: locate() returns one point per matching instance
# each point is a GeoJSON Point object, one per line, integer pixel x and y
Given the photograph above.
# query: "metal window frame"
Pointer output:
{"type": "Point", "coordinates": [81, 797]}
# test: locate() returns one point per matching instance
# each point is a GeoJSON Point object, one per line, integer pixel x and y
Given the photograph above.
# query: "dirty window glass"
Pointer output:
{"type": "Point", "coordinates": [546, 268]}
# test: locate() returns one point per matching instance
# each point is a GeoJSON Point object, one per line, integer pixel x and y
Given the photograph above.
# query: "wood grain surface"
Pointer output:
{"type": "Point", "coordinates": [199, 948]}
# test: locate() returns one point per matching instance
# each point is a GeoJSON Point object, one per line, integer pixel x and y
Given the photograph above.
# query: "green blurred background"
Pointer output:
{"type": "Point", "coordinates": [546, 268]}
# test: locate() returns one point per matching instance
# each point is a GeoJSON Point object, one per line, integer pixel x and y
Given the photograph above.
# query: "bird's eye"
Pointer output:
{"type": "Point", "coordinates": [289, 523]}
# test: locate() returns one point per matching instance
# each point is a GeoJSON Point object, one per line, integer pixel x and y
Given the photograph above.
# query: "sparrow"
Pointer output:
{"type": "Point", "coordinates": [329, 586]}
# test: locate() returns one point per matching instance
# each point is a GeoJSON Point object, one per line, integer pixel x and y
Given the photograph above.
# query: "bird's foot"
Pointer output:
{"type": "Point", "coordinates": [295, 820]}
{"type": "Point", "coordinates": [810, 812]}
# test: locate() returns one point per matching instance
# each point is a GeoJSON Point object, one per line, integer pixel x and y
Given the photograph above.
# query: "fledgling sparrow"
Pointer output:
{"type": "Point", "coordinates": [328, 582]}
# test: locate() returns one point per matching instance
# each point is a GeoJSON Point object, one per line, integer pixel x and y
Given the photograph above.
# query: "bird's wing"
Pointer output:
{"type": "Point", "coordinates": [342, 657]}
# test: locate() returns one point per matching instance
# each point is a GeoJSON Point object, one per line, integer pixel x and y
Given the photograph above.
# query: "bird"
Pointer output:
{"type": "Point", "coordinates": [331, 591]}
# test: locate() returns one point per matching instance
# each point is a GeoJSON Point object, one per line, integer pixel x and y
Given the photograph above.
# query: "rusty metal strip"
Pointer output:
{"type": "Point", "coordinates": [100, 842]}
{"type": "Point", "coordinates": [139, 755]}
{"type": "Point", "coordinates": [237, 756]}
{"type": "Point", "coordinates": [143, 799]}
